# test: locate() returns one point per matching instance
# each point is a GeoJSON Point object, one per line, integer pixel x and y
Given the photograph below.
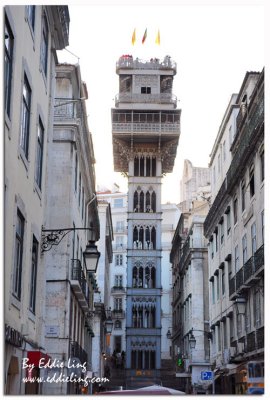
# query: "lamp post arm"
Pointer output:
{"type": "Point", "coordinates": [52, 237]}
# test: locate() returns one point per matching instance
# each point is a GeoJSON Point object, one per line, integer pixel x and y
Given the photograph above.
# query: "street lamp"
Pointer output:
{"type": "Point", "coordinates": [192, 341]}
{"type": "Point", "coordinates": [109, 322]}
{"type": "Point", "coordinates": [169, 334]}
{"type": "Point", "coordinates": [240, 303]}
{"type": "Point", "coordinates": [91, 256]}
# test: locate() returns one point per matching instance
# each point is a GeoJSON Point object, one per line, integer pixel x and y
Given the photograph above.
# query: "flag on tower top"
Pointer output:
{"type": "Point", "coordinates": [144, 36]}
{"type": "Point", "coordinates": [158, 38]}
{"type": "Point", "coordinates": [134, 36]}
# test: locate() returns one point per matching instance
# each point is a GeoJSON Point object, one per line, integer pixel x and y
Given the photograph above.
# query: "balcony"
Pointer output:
{"type": "Point", "coordinates": [118, 290]}
{"type": "Point", "coordinates": [126, 61]}
{"type": "Point", "coordinates": [76, 351]}
{"type": "Point", "coordinates": [248, 275]}
{"type": "Point", "coordinates": [259, 259]}
{"type": "Point", "coordinates": [79, 284]}
{"type": "Point", "coordinates": [251, 129]}
{"type": "Point", "coordinates": [118, 314]}
{"type": "Point", "coordinates": [161, 98]}
{"type": "Point", "coordinates": [119, 247]}
{"type": "Point", "coordinates": [255, 340]}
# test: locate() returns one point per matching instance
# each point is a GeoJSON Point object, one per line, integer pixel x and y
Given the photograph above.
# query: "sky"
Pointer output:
{"type": "Point", "coordinates": [213, 46]}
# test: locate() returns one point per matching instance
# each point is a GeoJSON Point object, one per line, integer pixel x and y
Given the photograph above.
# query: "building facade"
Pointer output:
{"type": "Point", "coordinates": [32, 36]}
{"type": "Point", "coordinates": [145, 130]}
{"type": "Point", "coordinates": [235, 229]}
{"type": "Point", "coordinates": [190, 300]}
{"type": "Point", "coordinates": [101, 340]}
{"type": "Point", "coordinates": [71, 205]}
{"type": "Point", "coordinates": [195, 184]}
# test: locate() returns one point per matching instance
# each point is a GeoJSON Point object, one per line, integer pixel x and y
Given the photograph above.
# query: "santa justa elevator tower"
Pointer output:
{"type": "Point", "coordinates": [145, 133]}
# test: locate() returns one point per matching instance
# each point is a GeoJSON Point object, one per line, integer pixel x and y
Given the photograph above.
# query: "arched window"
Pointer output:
{"type": "Point", "coordinates": [153, 166]}
{"type": "Point", "coordinates": [147, 238]}
{"type": "Point", "coordinates": [135, 202]}
{"type": "Point", "coordinates": [134, 277]}
{"type": "Point", "coordinates": [142, 166]}
{"type": "Point", "coordinates": [148, 166]}
{"type": "Point", "coordinates": [147, 201]}
{"type": "Point", "coordinates": [153, 202]}
{"type": "Point", "coordinates": [141, 238]}
{"type": "Point", "coordinates": [141, 207]}
{"type": "Point", "coordinates": [135, 237]}
{"type": "Point", "coordinates": [118, 324]}
{"type": "Point", "coordinates": [136, 166]}
{"type": "Point", "coordinates": [153, 238]}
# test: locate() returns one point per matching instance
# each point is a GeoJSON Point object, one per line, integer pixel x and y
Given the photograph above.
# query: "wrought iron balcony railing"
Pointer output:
{"type": "Point", "coordinates": [77, 275]}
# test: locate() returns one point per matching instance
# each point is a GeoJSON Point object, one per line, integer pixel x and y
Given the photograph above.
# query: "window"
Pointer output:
{"type": "Point", "coordinates": [262, 165]}
{"type": "Point", "coordinates": [39, 159]}
{"type": "Point", "coordinates": [9, 44]}
{"type": "Point", "coordinates": [118, 303]}
{"type": "Point", "coordinates": [214, 175]}
{"type": "Point", "coordinates": [25, 117]}
{"type": "Point", "coordinates": [251, 181]}
{"type": "Point", "coordinates": [76, 172]}
{"type": "Point", "coordinates": [223, 282]}
{"type": "Point", "coordinates": [145, 90]}
{"type": "Point", "coordinates": [31, 10]}
{"type": "Point", "coordinates": [253, 238]}
{"type": "Point", "coordinates": [228, 213]}
{"type": "Point", "coordinates": [225, 334]}
{"type": "Point", "coordinates": [17, 277]}
{"type": "Point", "coordinates": [257, 308]}
{"type": "Point", "coordinates": [33, 282]}
{"type": "Point", "coordinates": [119, 259]}
{"type": "Point", "coordinates": [212, 247]}
{"type": "Point", "coordinates": [235, 210]}
{"type": "Point", "coordinates": [236, 259]}
{"type": "Point", "coordinates": [244, 248]}
{"type": "Point", "coordinates": [262, 219]}
{"type": "Point", "coordinates": [217, 286]}
{"type": "Point", "coordinates": [118, 203]}
{"type": "Point", "coordinates": [243, 203]}
{"type": "Point", "coordinates": [44, 45]}
{"type": "Point", "coordinates": [221, 231]}
{"type": "Point", "coordinates": [119, 226]}
{"type": "Point", "coordinates": [216, 236]}
{"type": "Point", "coordinates": [118, 280]}
{"type": "Point", "coordinates": [239, 324]}
{"type": "Point", "coordinates": [213, 291]}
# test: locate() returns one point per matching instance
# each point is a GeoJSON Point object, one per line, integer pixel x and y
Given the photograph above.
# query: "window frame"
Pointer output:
{"type": "Point", "coordinates": [18, 256]}
{"type": "Point", "coordinates": [25, 116]}
{"type": "Point", "coordinates": [8, 66]}
{"type": "Point", "coordinates": [39, 154]}
{"type": "Point", "coordinates": [44, 47]}
{"type": "Point", "coordinates": [33, 279]}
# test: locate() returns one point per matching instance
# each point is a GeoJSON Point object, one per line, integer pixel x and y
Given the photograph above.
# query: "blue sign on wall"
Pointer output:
{"type": "Point", "coordinates": [206, 375]}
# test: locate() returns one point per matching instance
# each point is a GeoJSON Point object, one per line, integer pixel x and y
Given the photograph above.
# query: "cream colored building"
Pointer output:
{"type": "Point", "coordinates": [235, 229]}
{"type": "Point", "coordinates": [32, 36]}
{"type": "Point", "coordinates": [71, 209]}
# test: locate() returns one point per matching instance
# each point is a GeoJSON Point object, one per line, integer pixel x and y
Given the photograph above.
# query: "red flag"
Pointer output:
{"type": "Point", "coordinates": [144, 36]}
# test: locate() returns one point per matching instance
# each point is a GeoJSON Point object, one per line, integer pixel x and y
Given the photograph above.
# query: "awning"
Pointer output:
{"type": "Point", "coordinates": [36, 356]}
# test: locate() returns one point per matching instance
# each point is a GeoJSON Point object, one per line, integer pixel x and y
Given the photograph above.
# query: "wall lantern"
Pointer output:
{"type": "Point", "coordinates": [91, 256]}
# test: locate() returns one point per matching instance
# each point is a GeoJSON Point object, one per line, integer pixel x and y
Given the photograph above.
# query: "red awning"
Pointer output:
{"type": "Point", "coordinates": [36, 356]}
